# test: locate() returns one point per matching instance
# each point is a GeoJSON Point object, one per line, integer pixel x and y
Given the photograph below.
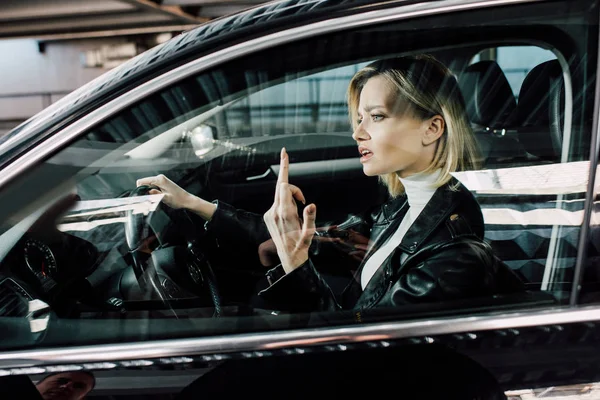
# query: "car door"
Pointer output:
{"type": "Point", "coordinates": [216, 125]}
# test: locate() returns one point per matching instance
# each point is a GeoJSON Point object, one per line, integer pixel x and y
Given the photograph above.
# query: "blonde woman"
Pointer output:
{"type": "Point", "coordinates": [426, 242]}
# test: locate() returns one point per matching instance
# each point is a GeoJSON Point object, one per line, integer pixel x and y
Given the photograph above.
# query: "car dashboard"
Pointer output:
{"type": "Point", "coordinates": [47, 267]}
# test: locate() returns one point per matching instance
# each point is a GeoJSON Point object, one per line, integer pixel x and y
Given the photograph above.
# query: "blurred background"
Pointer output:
{"type": "Point", "coordinates": [51, 47]}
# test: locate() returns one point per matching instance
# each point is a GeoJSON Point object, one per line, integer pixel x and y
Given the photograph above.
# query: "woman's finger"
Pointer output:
{"type": "Point", "coordinates": [282, 177]}
{"type": "Point", "coordinates": [285, 197]}
{"type": "Point", "coordinates": [309, 225]}
{"type": "Point", "coordinates": [283, 173]}
{"type": "Point", "coordinates": [296, 193]}
{"type": "Point", "coordinates": [284, 164]}
{"type": "Point", "coordinates": [146, 181]}
{"type": "Point", "coordinates": [287, 205]}
{"type": "Point", "coordinates": [159, 180]}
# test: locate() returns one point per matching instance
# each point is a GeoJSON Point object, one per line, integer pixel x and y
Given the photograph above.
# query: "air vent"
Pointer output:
{"type": "Point", "coordinates": [14, 299]}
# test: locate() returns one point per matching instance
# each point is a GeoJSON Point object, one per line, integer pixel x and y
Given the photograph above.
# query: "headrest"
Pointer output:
{"type": "Point", "coordinates": [488, 96]}
{"type": "Point", "coordinates": [540, 113]}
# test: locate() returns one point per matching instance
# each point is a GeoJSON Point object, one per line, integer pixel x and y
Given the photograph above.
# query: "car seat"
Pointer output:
{"type": "Point", "coordinates": [491, 107]}
{"type": "Point", "coordinates": [540, 113]}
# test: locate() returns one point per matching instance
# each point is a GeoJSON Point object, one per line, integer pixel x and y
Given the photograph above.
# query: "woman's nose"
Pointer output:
{"type": "Point", "coordinates": [360, 133]}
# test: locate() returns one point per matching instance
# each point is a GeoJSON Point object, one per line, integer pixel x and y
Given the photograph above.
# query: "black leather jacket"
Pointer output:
{"type": "Point", "coordinates": [447, 257]}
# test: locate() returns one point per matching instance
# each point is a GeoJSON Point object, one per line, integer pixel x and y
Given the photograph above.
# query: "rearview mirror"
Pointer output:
{"type": "Point", "coordinates": [202, 138]}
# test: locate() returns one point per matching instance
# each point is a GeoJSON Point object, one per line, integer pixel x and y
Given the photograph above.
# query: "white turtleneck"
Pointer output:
{"type": "Point", "coordinates": [419, 189]}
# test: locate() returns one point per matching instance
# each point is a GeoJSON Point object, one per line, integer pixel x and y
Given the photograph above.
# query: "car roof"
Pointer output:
{"type": "Point", "coordinates": [267, 18]}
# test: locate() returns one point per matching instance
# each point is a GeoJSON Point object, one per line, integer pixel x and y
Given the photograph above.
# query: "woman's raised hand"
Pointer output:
{"type": "Point", "coordinates": [292, 236]}
{"type": "Point", "coordinates": [175, 196]}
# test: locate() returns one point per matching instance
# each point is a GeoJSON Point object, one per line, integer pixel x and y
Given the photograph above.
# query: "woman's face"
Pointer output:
{"type": "Point", "coordinates": [390, 139]}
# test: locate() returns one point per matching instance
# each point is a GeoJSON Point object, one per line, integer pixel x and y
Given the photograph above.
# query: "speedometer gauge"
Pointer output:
{"type": "Point", "coordinates": [40, 261]}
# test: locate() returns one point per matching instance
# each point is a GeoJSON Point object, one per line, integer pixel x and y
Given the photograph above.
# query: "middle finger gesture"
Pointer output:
{"type": "Point", "coordinates": [291, 234]}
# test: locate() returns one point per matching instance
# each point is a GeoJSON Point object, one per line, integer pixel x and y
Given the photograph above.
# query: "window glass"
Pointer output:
{"type": "Point", "coordinates": [516, 62]}
{"type": "Point", "coordinates": [500, 234]}
{"type": "Point", "coordinates": [315, 103]}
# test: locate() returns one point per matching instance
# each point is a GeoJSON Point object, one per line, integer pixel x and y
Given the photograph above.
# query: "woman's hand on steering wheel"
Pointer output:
{"type": "Point", "coordinates": [292, 236]}
{"type": "Point", "coordinates": [175, 196]}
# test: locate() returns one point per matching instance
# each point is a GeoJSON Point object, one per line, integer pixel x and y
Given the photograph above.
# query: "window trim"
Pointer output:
{"type": "Point", "coordinates": [590, 193]}
{"type": "Point", "coordinates": [551, 266]}
{"type": "Point", "coordinates": [109, 356]}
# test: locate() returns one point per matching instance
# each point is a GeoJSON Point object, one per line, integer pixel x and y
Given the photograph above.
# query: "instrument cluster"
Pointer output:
{"type": "Point", "coordinates": [41, 261]}
{"type": "Point", "coordinates": [48, 263]}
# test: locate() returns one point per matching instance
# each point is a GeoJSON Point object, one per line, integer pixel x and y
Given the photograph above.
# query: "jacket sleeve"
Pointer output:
{"type": "Point", "coordinates": [302, 290]}
{"type": "Point", "coordinates": [229, 223]}
{"type": "Point", "coordinates": [464, 269]}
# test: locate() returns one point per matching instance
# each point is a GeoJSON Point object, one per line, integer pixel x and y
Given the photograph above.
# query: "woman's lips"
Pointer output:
{"type": "Point", "coordinates": [365, 154]}
{"type": "Point", "coordinates": [366, 157]}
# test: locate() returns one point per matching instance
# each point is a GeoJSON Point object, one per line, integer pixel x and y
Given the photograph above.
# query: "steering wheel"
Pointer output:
{"type": "Point", "coordinates": [151, 273]}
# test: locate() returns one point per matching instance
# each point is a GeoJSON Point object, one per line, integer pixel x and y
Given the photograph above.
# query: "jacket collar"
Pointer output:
{"type": "Point", "coordinates": [435, 212]}
{"type": "Point", "coordinates": [441, 205]}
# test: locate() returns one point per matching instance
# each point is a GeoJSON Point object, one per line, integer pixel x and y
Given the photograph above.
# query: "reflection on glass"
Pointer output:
{"type": "Point", "coordinates": [66, 385]}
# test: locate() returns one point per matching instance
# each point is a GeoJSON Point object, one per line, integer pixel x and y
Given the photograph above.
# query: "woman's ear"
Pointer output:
{"type": "Point", "coordinates": [435, 127]}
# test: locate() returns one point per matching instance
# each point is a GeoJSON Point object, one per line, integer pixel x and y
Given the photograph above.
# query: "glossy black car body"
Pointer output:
{"type": "Point", "coordinates": [548, 338]}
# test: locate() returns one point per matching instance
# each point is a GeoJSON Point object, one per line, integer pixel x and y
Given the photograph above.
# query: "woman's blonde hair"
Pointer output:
{"type": "Point", "coordinates": [429, 88]}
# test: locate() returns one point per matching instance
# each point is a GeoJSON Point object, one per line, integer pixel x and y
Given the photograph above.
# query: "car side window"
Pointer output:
{"type": "Point", "coordinates": [315, 103]}
{"type": "Point", "coordinates": [304, 110]}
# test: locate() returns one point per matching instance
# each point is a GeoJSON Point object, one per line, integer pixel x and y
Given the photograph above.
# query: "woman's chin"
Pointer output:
{"type": "Point", "coordinates": [370, 171]}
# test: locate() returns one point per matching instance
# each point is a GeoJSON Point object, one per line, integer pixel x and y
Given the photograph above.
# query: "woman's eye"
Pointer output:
{"type": "Point", "coordinates": [376, 117]}
{"type": "Point", "coordinates": [359, 121]}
